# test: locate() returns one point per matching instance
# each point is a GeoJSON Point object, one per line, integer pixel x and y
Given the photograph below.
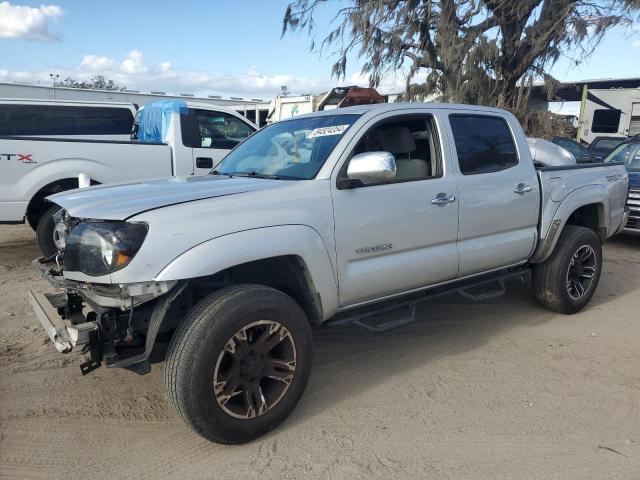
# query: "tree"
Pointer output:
{"type": "Point", "coordinates": [472, 51]}
{"type": "Point", "coordinates": [98, 82]}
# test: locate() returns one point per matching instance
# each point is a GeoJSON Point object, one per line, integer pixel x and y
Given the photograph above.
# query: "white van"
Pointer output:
{"type": "Point", "coordinates": [66, 119]}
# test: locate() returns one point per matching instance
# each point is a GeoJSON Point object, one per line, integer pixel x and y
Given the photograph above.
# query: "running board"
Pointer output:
{"type": "Point", "coordinates": [386, 319]}
{"type": "Point", "coordinates": [483, 296]}
{"type": "Point", "coordinates": [396, 313]}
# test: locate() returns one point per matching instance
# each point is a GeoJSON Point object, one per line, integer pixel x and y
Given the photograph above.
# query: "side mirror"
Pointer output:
{"type": "Point", "coordinates": [372, 167]}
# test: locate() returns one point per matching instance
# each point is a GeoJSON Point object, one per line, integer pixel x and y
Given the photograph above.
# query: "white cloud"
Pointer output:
{"type": "Point", "coordinates": [134, 73]}
{"type": "Point", "coordinates": [134, 63]}
{"type": "Point", "coordinates": [636, 44]}
{"type": "Point", "coordinates": [29, 23]}
{"type": "Point", "coordinates": [96, 63]}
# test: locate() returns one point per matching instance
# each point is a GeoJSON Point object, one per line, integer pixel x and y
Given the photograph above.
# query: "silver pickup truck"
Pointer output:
{"type": "Point", "coordinates": [333, 215]}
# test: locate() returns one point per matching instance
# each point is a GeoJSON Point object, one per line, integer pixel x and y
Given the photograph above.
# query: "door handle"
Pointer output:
{"type": "Point", "coordinates": [443, 199]}
{"type": "Point", "coordinates": [204, 162]}
{"type": "Point", "coordinates": [522, 188]}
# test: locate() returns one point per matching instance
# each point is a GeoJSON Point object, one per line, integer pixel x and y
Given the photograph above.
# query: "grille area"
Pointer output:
{"type": "Point", "coordinates": [634, 204]}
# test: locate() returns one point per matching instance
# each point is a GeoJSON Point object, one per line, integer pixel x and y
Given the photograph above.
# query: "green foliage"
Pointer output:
{"type": "Point", "coordinates": [472, 51]}
{"type": "Point", "coordinates": [98, 82]}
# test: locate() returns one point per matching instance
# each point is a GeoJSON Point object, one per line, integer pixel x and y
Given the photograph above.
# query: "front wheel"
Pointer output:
{"type": "Point", "coordinates": [239, 363]}
{"type": "Point", "coordinates": [50, 238]}
{"type": "Point", "coordinates": [567, 280]}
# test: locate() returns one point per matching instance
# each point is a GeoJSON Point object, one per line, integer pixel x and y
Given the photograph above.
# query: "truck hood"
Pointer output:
{"type": "Point", "coordinates": [122, 201]}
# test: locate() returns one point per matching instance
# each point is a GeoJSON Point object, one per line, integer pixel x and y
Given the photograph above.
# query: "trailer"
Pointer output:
{"type": "Point", "coordinates": [284, 106]}
{"type": "Point", "coordinates": [612, 112]}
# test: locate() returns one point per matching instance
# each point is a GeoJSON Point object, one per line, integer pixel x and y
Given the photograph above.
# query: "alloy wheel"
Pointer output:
{"type": "Point", "coordinates": [255, 369]}
{"type": "Point", "coordinates": [581, 272]}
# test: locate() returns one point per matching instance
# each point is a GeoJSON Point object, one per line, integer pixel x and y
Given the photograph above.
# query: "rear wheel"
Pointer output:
{"type": "Point", "coordinates": [239, 363]}
{"type": "Point", "coordinates": [49, 238]}
{"type": "Point", "coordinates": [568, 279]}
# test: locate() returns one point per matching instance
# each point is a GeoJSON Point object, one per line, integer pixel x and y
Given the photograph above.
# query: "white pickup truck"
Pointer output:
{"type": "Point", "coordinates": [334, 214]}
{"type": "Point", "coordinates": [180, 138]}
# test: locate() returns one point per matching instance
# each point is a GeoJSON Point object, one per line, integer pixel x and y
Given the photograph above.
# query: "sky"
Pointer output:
{"type": "Point", "coordinates": [215, 47]}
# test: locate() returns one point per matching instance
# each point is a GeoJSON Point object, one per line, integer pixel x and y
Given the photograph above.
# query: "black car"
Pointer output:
{"type": "Point", "coordinates": [579, 151]}
{"type": "Point", "coordinates": [603, 146]}
{"type": "Point", "coordinates": [629, 153]}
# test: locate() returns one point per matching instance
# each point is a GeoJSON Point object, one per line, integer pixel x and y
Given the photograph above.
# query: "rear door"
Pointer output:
{"type": "Point", "coordinates": [498, 192]}
{"type": "Point", "coordinates": [214, 134]}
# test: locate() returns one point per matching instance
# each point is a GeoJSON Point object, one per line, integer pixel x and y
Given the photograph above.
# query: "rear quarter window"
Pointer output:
{"type": "Point", "coordinates": [483, 144]}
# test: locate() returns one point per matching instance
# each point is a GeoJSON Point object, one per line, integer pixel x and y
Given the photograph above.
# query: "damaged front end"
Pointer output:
{"type": "Point", "coordinates": [114, 323]}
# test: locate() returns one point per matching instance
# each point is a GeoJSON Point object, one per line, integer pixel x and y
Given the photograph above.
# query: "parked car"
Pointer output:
{"type": "Point", "coordinates": [629, 153]}
{"type": "Point", "coordinates": [169, 138]}
{"type": "Point", "coordinates": [66, 119]}
{"type": "Point", "coordinates": [579, 151]}
{"type": "Point", "coordinates": [322, 216]}
{"type": "Point", "coordinates": [548, 154]}
{"type": "Point", "coordinates": [603, 146]}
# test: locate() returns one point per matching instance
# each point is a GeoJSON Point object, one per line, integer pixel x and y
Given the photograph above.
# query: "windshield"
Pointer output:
{"type": "Point", "coordinates": [290, 150]}
{"type": "Point", "coordinates": [603, 146]}
{"type": "Point", "coordinates": [629, 153]}
{"type": "Point", "coordinates": [571, 145]}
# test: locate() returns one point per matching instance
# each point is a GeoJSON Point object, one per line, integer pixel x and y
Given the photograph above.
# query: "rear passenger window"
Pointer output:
{"type": "Point", "coordinates": [483, 144]}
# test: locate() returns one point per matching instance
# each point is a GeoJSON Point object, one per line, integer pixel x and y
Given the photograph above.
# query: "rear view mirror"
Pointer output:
{"type": "Point", "coordinates": [372, 167]}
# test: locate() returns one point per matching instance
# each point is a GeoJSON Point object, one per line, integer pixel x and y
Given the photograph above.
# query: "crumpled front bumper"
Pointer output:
{"type": "Point", "coordinates": [64, 336]}
{"type": "Point", "coordinates": [69, 326]}
{"type": "Point", "coordinates": [53, 309]}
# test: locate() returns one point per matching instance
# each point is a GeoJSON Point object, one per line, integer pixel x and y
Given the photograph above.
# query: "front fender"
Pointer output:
{"type": "Point", "coordinates": [233, 249]}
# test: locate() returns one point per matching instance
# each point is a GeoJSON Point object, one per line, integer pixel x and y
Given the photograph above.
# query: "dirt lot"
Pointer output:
{"type": "Point", "coordinates": [498, 390]}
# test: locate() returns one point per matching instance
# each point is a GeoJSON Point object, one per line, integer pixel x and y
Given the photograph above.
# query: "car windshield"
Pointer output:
{"type": "Point", "coordinates": [629, 153]}
{"type": "Point", "coordinates": [603, 146]}
{"type": "Point", "coordinates": [290, 150]}
{"type": "Point", "coordinates": [571, 145]}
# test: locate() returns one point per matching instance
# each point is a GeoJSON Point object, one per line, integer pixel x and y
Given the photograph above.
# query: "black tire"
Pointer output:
{"type": "Point", "coordinates": [44, 232]}
{"type": "Point", "coordinates": [199, 343]}
{"type": "Point", "coordinates": [33, 222]}
{"type": "Point", "coordinates": [552, 285]}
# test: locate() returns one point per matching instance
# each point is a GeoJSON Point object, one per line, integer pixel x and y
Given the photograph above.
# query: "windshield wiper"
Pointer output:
{"type": "Point", "coordinates": [254, 174]}
{"type": "Point", "coordinates": [216, 172]}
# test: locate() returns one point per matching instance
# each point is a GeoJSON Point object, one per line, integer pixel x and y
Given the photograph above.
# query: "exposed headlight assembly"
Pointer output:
{"type": "Point", "coordinates": [100, 248]}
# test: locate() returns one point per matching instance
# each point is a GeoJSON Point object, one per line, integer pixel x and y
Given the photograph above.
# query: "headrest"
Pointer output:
{"type": "Point", "coordinates": [398, 140]}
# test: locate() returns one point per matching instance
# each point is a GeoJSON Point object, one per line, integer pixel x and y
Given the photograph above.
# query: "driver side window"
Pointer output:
{"type": "Point", "coordinates": [413, 141]}
{"type": "Point", "coordinates": [219, 130]}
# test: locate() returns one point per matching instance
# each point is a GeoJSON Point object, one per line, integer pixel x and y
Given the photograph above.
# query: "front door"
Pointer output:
{"type": "Point", "coordinates": [399, 235]}
{"type": "Point", "coordinates": [216, 133]}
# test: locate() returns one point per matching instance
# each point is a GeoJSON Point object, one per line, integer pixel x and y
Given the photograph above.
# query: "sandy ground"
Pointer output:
{"type": "Point", "coordinates": [482, 391]}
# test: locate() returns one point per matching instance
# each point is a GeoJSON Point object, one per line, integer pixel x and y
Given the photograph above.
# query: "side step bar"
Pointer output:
{"type": "Point", "coordinates": [393, 314]}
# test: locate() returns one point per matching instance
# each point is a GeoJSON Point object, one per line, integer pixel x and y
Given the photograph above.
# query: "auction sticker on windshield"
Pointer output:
{"type": "Point", "coordinates": [326, 131]}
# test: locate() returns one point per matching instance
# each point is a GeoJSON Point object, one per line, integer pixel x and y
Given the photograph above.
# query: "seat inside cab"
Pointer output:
{"type": "Point", "coordinates": [411, 141]}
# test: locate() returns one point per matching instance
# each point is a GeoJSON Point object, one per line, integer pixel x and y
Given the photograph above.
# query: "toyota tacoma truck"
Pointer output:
{"type": "Point", "coordinates": [327, 216]}
{"type": "Point", "coordinates": [168, 138]}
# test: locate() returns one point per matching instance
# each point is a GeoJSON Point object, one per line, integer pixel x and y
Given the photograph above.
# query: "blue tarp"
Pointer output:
{"type": "Point", "coordinates": [155, 117]}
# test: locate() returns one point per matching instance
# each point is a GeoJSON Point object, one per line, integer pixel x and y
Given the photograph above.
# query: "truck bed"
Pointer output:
{"type": "Point", "coordinates": [31, 163]}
